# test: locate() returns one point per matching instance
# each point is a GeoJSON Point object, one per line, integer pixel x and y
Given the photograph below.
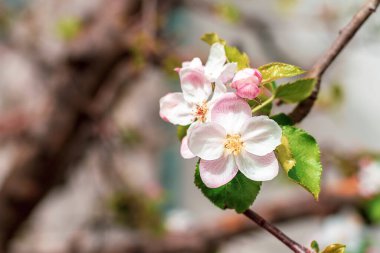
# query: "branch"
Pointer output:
{"type": "Point", "coordinates": [319, 68]}
{"type": "Point", "coordinates": [293, 245]}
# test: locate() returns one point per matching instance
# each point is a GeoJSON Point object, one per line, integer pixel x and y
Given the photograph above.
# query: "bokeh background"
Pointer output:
{"type": "Point", "coordinates": [87, 165]}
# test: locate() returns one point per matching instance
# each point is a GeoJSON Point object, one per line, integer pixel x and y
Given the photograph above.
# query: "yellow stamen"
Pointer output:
{"type": "Point", "coordinates": [233, 144]}
{"type": "Point", "coordinates": [201, 111]}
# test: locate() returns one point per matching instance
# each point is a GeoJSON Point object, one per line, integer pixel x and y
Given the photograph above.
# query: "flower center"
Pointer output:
{"type": "Point", "coordinates": [201, 111]}
{"type": "Point", "coordinates": [233, 144]}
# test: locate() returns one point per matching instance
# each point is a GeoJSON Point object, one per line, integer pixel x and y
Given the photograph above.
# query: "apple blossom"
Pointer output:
{"type": "Point", "coordinates": [234, 140]}
{"type": "Point", "coordinates": [246, 82]}
{"type": "Point", "coordinates": [369, 178]}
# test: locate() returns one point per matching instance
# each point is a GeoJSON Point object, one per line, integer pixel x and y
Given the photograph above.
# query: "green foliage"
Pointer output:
{"type": "Point", "coordinates": [238, 194]}
{"type": "Point", "coordinates": [315, 246]}
{"type": "Point", "coordinates": [68, 28]}
{"type": "Point", "coordinates": [299, 155]}
{"type": "Point", "coordinates": [234, 55]}
{"type": "Point", "coordinates": [276, 70]}
{"type": "Point", "coordinates": [229, 12]}
{"type": "Point", "coordinates": [211, 38]}
{"type": "Point", "coordinates": [134, 210]}
{"type": "Point", "coordinates": [296, 91]}
{"type": "Point", "coordinates": [282, 119]}
{"type": "Point", "coordinates": [372, 209]}
{"type": "Point", "coordinates": [182, 131]}
{"type": "Point", "coordinates": [335, 248]}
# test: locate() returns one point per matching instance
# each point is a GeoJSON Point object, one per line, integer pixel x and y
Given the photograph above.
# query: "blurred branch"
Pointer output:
{"type": "Point", "coordinates": [208, 237]}
{"type": "Point", "coordinates": [79, 84]}
{"type": "Point", "coordinates": [319, 68]}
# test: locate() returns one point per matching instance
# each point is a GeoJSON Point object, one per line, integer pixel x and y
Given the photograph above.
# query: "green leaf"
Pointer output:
{"type": "Point", "coordinates": [282, 119]}
{"type": "Point", "coordinates": [276, 70]}
{"type": "Point", "coordinates": [228, 11]}
{"type": "Point", "coordinates": [238, 194]}
{"type": "Point", "coordinates": [315, 246]}
{"type": "Point", "coordinates": [211, 38]}
{"type": "Point", "coordinates": [304, 150]}
{"type": "Point", "coordinates": [234, 55]}
{"type": "Point", "coordinates": [182, 131]}
{"type": "Point", "coordinates": [335, 248]}
{"type": "Point", "coordinates": [372, 209]}
{"type": "Point", "coordinates": [296, 91]}
{"type": "Point", "coordinates": [258, 101]}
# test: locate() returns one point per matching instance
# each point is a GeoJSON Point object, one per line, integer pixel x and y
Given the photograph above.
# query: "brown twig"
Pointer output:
{"type": "Point", "coordinates": [293, 245]}
{"type": "Point", "coordinates": [319, 68]}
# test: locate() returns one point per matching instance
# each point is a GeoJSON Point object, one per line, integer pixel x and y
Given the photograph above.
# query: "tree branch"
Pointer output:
{"type": "Point", "coordinates": [293, 245]}
{"type": "Point", "coordinates": [319, 68]}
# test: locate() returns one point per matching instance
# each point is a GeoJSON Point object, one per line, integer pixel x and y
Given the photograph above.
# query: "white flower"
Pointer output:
{"type": "Point", "coordinates": [369, 178]}
{"type": "Point", "coordinates": [193, 104]}
{"type": "Point", "coordinates": [234, 140]}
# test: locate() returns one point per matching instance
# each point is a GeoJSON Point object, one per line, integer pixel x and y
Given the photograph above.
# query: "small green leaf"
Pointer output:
{"type": "Point", "coordinates": [303, 148]}
{"type": "Point", "coordinates": [68, 28]}
{"type": "Point", "coordinates": [228, 11]}
{"type": "Point", "coordinates": [296, 91]}
{"type": "Point", "coordinates": [238, 194]}
{"type": "Point", "coordinates": [282, 119]}
{"type": "Point", "coordinates": [315, 246]}
{"type": "Point", "coordinates": [234, 55]}
{"type": "Point", "coordinates": [284, 155]}
{"type": "Point", "coordinates": [211, 38]}
{"type": "Point", "coordinates": [276, 70]}
{"type": "Point", "coordinates": [335, 248]}
{"type": "Point", "coordinates": [182, 131]}
{"type": "Point", "coordinates": [372, 209]}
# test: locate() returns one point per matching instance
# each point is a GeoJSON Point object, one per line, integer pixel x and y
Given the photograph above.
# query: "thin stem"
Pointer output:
{"type": "Point", "coordinates": [265, 103]}
{"type": "Point", "coordinates": [291, 244]}
{"type": "Point", "coordinates": [319, 68]}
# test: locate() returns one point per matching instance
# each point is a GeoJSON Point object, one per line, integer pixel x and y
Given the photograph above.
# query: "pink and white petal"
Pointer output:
{"type": "Point", "coordinates": [218, 172]}
{"type": "Point", "coordinates": [231, 112]}
{"type": "Point", "coordinates": [257, 168]}
{"type": "Point", "coordinates": [185, 151]}
{"type": "Point", "coordinates": [215, 62]}
{"type": "Point", "coordinates": [261, 135]}
{"type": "Point", "coordinates": [228, 72]}
{"type": "Point", "coordinates": [207, 141]}
{"type": "Point", "coordinates": [194, 63]}
{"type": "Point", "coordinates": [196, 89]}
{"type": "Point", "coordinates": [174, 109]}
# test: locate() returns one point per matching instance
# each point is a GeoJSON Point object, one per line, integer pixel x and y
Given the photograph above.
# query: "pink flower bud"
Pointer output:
{"type": "Point", "coordinates": [246, 82]}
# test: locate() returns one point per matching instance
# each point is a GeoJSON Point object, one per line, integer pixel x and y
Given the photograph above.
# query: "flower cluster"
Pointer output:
{"type": "Point", "coordinates": [222, 131]}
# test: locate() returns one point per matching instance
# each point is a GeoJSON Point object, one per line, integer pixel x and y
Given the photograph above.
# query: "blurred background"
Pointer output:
{"type": "Point", "coordinates": [87, 165]}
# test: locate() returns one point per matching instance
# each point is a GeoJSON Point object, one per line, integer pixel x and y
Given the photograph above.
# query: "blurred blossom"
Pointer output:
{"type": "Point", "coordinates": [179, 220]}
{"type": "Point", "coordinates": [369, 177]}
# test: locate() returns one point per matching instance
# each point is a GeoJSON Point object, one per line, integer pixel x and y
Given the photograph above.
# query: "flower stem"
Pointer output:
{"type": "Point", "coordinates": [294, 246]}
{"type": "Point", "coordinates": [265, 103]}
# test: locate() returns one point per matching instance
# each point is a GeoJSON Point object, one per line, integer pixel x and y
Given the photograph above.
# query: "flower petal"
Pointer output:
{"type": "Point", "coordinates": [218, 172]}
{"type": "Point", "coordinates": [261, 135]}
{"type": "Point", "coordinates": [196, 89]}
{"type": "Point", "coordinates": [231, 112]}
{"type": "Point", "coordinates": [207, 141]}
{"type": "Point", "coordinates": [195, 63]}
{"type": "Point", "coordinates": [257, 168]}
{"type": "Point", "coordinates": [215, 62]}
{"type": "Point", "coordinates": [185, 151]}
{"type": "Point", "coordinates": [174, 109]}
{"type": "Point", "coordinates": [228, 72]}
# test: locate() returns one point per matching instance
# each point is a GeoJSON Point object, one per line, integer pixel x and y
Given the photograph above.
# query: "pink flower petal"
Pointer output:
{"type": "Point", "coordinates": [246, 82]}
{"type": "Point", "coordinates": [207, 141]}
{"type": "Point", "coordinates": [218, 172]}
{"type": "Point", "coordinates": [196, 89]}
{"type": "Point", "coordinates": [261, 135]}
{"type": "Point", "coordinates": [185, 151]}
{"type": "Point", "coordinates": [231, 112]}
{"type": "Point", "coordinates": [175, 109]}
{"type": "Point", "coordinates": [257, 168]}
